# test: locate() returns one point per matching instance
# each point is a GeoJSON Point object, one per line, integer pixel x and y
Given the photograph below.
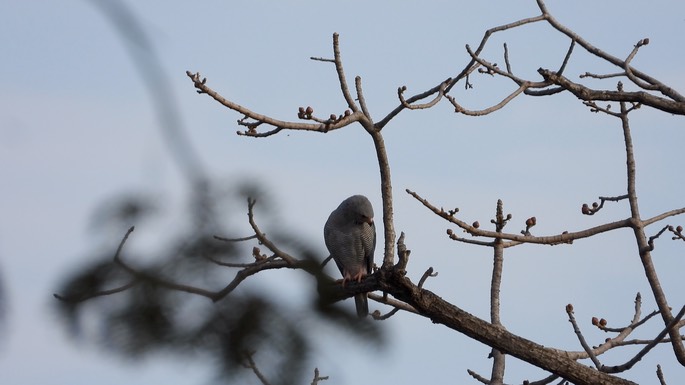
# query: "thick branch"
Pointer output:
{"type": "Point", "coordinates": [588, 94]}
{"type": "Point", "coordinates": [442, 312]}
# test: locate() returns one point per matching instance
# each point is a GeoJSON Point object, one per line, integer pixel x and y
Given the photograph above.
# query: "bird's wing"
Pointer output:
{"type": "Point", "coordinates": [368, 236]}
{"type": "Point", "coordinates": [341, 246]}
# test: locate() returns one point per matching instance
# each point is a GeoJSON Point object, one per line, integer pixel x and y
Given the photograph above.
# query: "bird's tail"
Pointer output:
{"type": "Point", "coordinates": [362, 303]}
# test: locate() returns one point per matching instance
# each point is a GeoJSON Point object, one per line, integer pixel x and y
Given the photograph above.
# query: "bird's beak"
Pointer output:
{"type": "Point", "coordinates": [369, 221]}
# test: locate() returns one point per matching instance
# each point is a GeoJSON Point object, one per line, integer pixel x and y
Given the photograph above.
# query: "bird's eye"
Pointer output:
{"type": "Point", "coordinates": [364, 219]}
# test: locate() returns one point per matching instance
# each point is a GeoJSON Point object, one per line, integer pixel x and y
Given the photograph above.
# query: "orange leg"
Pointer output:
{"type": "Point", "coordinates": [349, 277]}
{"type": "Point", "coordinates": [358, 277]}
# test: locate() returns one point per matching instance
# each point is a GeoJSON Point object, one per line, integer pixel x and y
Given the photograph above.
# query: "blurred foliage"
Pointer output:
{"type": "Point", "coordinates": [137, 315]}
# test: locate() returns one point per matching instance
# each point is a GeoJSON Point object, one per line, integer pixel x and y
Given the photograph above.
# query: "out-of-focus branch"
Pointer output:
{"type": "Point", "coordinates": [152, 73]}
{"type": "Point", "coordinates": [249, 363]}
{"type": "Point", "coordinates": [100, 293]}
{"type": "Point", "coordinates": [279, 260]}
{"type": "Point", "coordinates": [262, 237]}
{"type": "Point", "coordinates": [317, 377]}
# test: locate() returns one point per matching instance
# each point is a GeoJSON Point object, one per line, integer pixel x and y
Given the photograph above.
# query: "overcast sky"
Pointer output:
{"type": "Point", "coordinates": [78, 128]}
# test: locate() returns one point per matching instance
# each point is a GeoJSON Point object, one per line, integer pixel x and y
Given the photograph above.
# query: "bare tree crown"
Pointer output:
{"type": "Point", "coordinates": [390, 284]}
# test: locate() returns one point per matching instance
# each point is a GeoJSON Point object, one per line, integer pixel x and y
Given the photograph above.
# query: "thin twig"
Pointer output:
{"type": "Point", "coordinates": [438, 97]}
{"type": "Point", "coordinates": [459, 109]}
{"type": "Point", "coordinates": [567, 57]}
{"type": "Point", "coordinates": [654, 342]}
{"type": "Point", "coordinates": [581, 338]}
{"type": "Point", "coordinates": [629, 71]}
{"type": "Point", "coordinates": [341, 74]}
{"type": "Point", "coordinates": [361, 98]}
{"type": "Point", "coordinates": [322, 59]}
{"type": "Point", "coordinates": [478, 377]}
{"type": "Point", "coordinates": [660, 375]}
{"type": "Point", "coordinates": [544, 381]}
{"type": "Point", "coordinates": [262, 237]}
{"type": "Point", "coordinates": [563, 238]}
{"type": "Point", "coordinates": [203, 88]}
{"type": "Point", "coordinates": [587, 210]}
{"type": "Point", "coordinates": [426, 274]}
{"type": "Point", "coordinates": [399, 305]}
{"type": "Point", "coordinates": [100, 293]}
{"type": "Point", "coordinates": [651, 240]}
{"type": "Point", "coordinates": [241, 239]}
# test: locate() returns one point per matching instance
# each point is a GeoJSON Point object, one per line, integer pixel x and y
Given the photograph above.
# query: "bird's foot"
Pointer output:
{"type": "Point", "coordinates": [359, 276]}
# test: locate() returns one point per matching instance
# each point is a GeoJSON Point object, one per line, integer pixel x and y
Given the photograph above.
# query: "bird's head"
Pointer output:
{"type": "Point", "coordinates": [358, 208]}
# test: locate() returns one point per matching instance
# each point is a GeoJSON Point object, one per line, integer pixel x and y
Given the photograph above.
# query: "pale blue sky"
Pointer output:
{"type": "Point", "coordinates": [77, 128]}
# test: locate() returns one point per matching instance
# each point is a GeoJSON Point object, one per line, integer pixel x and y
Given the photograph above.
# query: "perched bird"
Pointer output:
{"type": "Point", "coordinates": [350, 237]}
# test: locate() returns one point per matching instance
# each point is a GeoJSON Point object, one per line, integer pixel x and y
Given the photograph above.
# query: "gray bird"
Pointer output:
{"type": "Point", "coordinates": [350, 237]}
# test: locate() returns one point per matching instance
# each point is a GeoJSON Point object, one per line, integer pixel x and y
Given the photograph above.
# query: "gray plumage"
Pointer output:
{"type": "Point", "coordinates": [350, 237]}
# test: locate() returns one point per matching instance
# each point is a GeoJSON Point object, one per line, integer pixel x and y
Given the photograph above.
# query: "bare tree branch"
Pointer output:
{"type": "Point", "coordinates": [581, 338]}
{"type": "Point", "coordinates": [660, 375]}
{"type": "Point", "coordinates": [200, 84]}
{"type": "Point", "coordinates": [440, 311]}
{"type": "Point", "coordinates": [341, 74]}
{"type": "Point", "coordinates": [667, 330]}
{"type": "Point", "coordinates": [399, 292]}
{"type": "Point", "coordinates": [584, 93]}
{"type": "Point", "coordinates": [565, 237]}
{"type": "Point", "coordinates": [665, 90]}
{"type": "Point", "coordinates": [643, 245]}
